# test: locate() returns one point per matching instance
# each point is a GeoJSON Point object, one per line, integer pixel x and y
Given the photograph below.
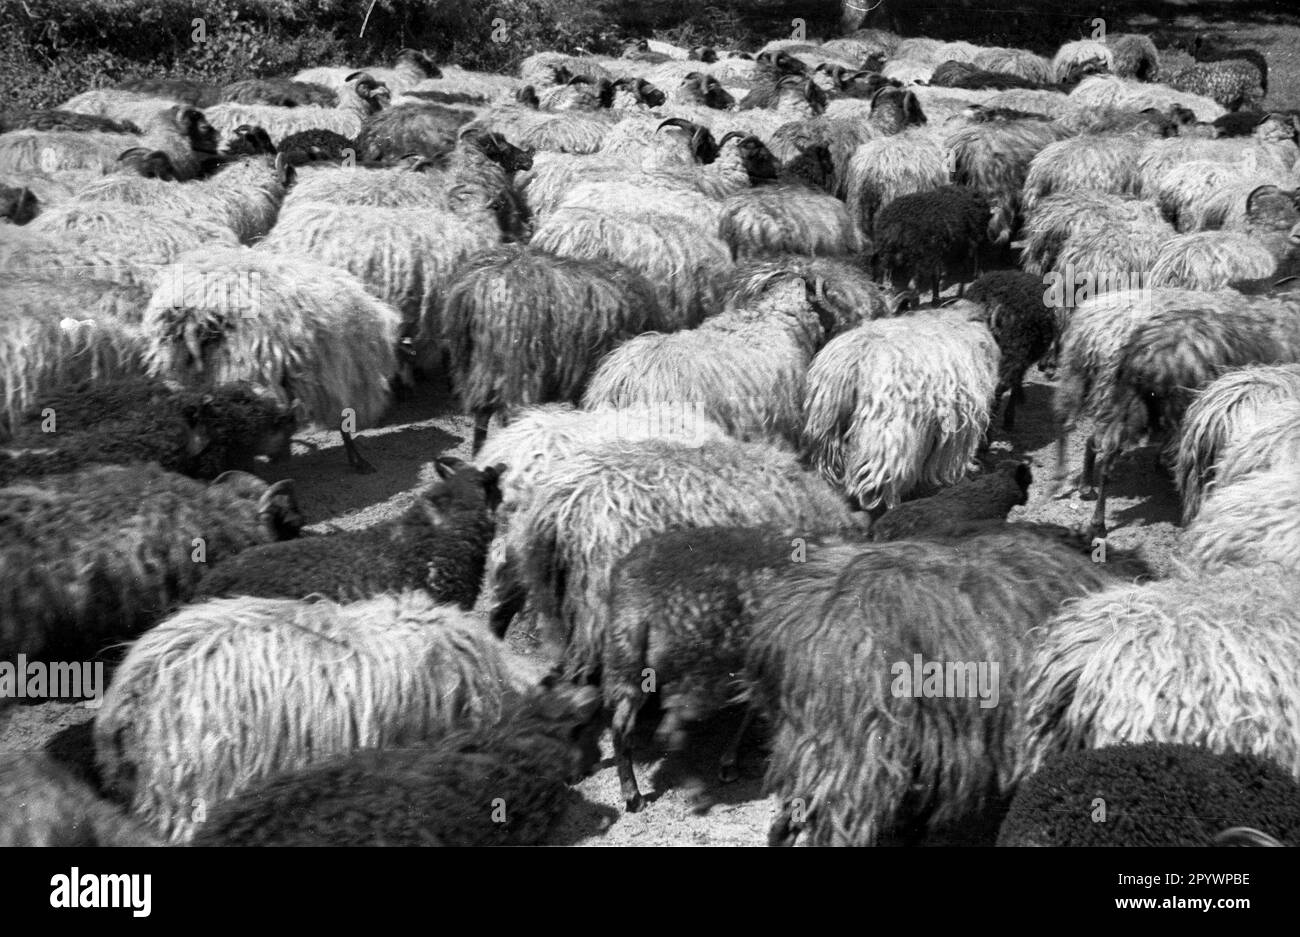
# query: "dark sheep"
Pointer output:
{"type": "Point", "coordinates": [143, 420]}
{"type": "Point", "coordinates": [1152, 795]}
{"type": "Point", "coordinates": [1023, 325]}
{"type": "Point", "coordinates": [929, 234]}
{"type": "Point", "coordinates": [439, 545]}
{"type": "Point", "coordinates": [499, 786]}
{"type": "Point", "coordinates": [948, 512]}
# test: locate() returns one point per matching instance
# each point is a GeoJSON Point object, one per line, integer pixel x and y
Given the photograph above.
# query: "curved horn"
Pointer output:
{"type": "Point", "coordinates": [677, 122]}
{"type": "Point", "coordinates": [729, 134]}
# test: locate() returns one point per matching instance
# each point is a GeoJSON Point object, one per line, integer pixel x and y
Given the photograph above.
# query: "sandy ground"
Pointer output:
{"type": "Point", "coordinates": [1143, 513]}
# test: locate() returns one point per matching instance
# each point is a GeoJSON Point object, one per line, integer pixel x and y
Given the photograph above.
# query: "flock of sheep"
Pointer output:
{"type": "Point", "coordinates": [730, 444]}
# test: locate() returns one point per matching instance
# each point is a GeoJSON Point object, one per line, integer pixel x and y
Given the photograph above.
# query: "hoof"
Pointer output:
{"type": "Point", "coordinates": [634, 804]}
{"type": "Point", "coordinates": [1088, 494]}
{"type": "Point", "coordinates": [362, 467]}
{"type": "Point", "coordinates": [1096, 531]}
{"type": "Point", "coordinates": [728, 773]}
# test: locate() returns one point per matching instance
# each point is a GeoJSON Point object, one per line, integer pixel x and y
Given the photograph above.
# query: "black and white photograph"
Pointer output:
{"type": "Point", "coordinates": [656, 423]}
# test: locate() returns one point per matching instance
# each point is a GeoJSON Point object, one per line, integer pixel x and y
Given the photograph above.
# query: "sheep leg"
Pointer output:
{"type": "Point", "coordinates": [621, 728]}
{"type": "Point", "coordinates": [1087, 478]}
{"type": "Point", "coordinates": [355, 459]}
{"type": "Point", "coordinates": [1097, 528]}
{"type": "Point", "coordinates": [505, 611]}
{"type": "Point", "coordinates": [784, 831]}
{"type": "Point", "coordinates": [727, 772]}
{"type": "Point", "coordinates": [481, 419]}
{"type": "Point", "coordinates": [936, 276]}
{"type": "Point", "coordinates": [1009, 415]}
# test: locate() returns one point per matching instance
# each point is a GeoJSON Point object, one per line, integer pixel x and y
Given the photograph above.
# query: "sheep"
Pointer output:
{"type": "Point", "coordinates": [406, 257]}
{"type": "Point", "coordinates": [1103, 163]}
{"type": "Point", "coordinates": [1259, 155]}
{"type": "Point", "coordinates": [123, 106]}
{"type": "Point", "coordinates": [1206, 194]}
{"type": "Point", "coordinates": [1051, 104]}
{"type": "Point", "coordinates": [1232, 84]}
{"type": "Point", "coordinates": [1100, 241]}
{"type": "Point", "coordinates": [592, 509]}
{"type": "Point", "coordinates": [1024, 326]}
{"type": "Point", "coordinates": [1155, 795]}
{"type": "Point", "coordinates": [745, 365]}
{"type": "Point", "coordinates": [953, 74]}
{"type": "Point", "coordinates": [1056, 218]}
{"type": "Point", "coordinates": [279, 92]}
{"type": "Point", "coordinates": [857, 758]}
{"type": "Point", "coordinates": [98, 554]}
{"type": "Point", "coordinates": [847, 291]}
{"type": "Point", "coordinates": [1251, 521]}
{"type": "Point", "coordinates": [1212, 649]}
{"type": "Point", "coordinates": [449, 793]}
{"type": "Point", "coordinates": [422, 129]}
{"type": "Point", "coordinates": [361, 97]}
{"type": "Point", "coordinates": [682, 263]}
{"type": "Point", "coordinates": [244, 196]}
{"type": "Point", "coordinates": [1173, 353]}
{"type": "Point", "coordinates": [58, 330]}
{"type": "Point", "coordinates": [1133, 56]}
{"type": "Point", "coordinates": [183, 133]}
{"type": "Point", "coordinates": [137, 420]}
{"type": "Point", "coordinates": [574, 311]}
{"type": "Point", "coordinates": [307, 332]}
{"type": "Point", "coordinates": [1210, 260]}
{"type": "Point", "coordinates": [967, 505]}
{"type": "Point", "coordinates": [682, 604]}
{"type": "Point", "coordinates": [44, 805]}
{"type": "Point", "coordinates": [898, 403]}
{"type": "Point", "coordinates": [1108, 91]}
{"type": "Point", "coordinates": [56, 119]}
{"type": "Point", "coordinates": [438, 545]}
{"type": "Point", "coordinates": [786, 218]}
{"type": "Point", "coordinates": [703, 90]}
{"type": "Point", "coordinates": [887, 167]}
{"type": "Point", "coordinates": [929, 234]}
{"type": "Point", "coordinates": [310, 146]}
{"type": "Point", "coordinates": [1019, 62]}
{"type": "Point", "coordinates": [314, 678]}
{"type": "Point", "coordinates": [994, 157]}
{"type": "Point", "coordinates": [1221, 417]}
{"type": "Point", "coordinates": [1210, 49]}
{"type": "Point", "coordinates": [1080, 52]}
{"type": "Point", "coordinates": [410, 69]}
{"type": "Point", "coordinates": [157, 234]}
{"type": "Point", "coordinates": [199, 94]}
{"type": "Point", "coordinates": [549, 68]}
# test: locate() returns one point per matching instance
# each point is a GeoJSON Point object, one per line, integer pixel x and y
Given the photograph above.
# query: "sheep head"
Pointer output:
{"type": "Point", "coordinates": [419, 61]}
{"type": "Point", "coordinates": [527, 96]}
{"type": "Point", "coordinates": [195, 127]}
{"type": "Point", "coordinates": [760, 165]}
{"type": "Point", "coordinates": [704, 149]}
{"type": "Point", "coordinates": [498, 149]}
{"type": "Point", "coordinates": [372, 92]}
{"type": "Point", "coordinates": [706, 54]}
